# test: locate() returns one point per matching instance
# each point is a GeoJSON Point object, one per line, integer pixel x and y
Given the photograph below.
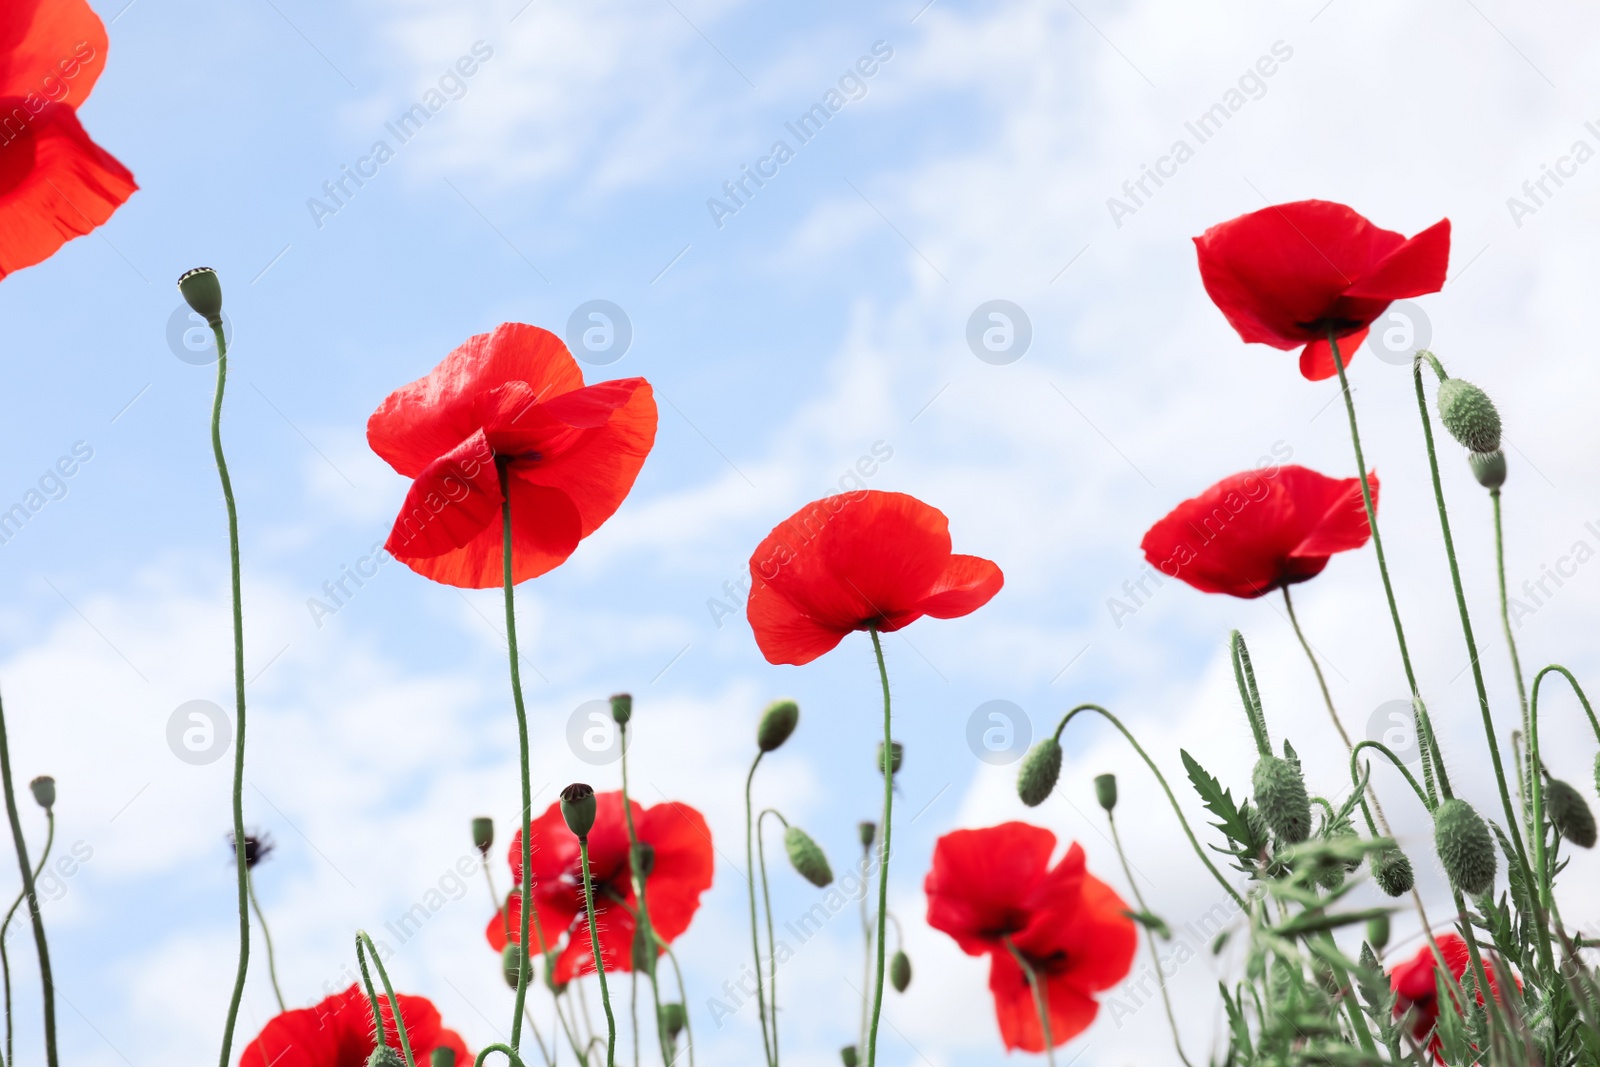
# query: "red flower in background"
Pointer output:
{"type": "Point", "coordinates": [990, 886]}
{"type": "Point", "coordinates": [1288, 275]}
{"type": "Point", "coordinates": [681, 871]}
{"type": "Point", "coordinates": [338, 1032]}
{"type": "Point", "coordinates": [55, 183]}
{"type": "Point", "coordinates": [1258, 531]}
{"type": "Point", "coordinates": [1416, 989]}
{"type": "Point", "coordinates": [854, 561]}
{"type": "Point", "coordinates": [512, 397]}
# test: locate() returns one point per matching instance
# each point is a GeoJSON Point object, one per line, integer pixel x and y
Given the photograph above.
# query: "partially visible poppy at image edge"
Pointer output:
{"type": "Point", "coordinates": [338, 1032]}
{"type": "Point", "coordinates": [1415, 985]}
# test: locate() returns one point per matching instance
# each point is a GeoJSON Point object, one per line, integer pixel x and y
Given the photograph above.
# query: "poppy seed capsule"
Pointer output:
{"type": "Point", "coordinates": [1392, 871]}
{"type": "Point", "coordinates": [644, 858]}
{"type": "Point", "coordinates": [203, 293]}
{"type": "Point", "coordinates": [777, 723]}
{"type": "Point", "coordinates": [1569, 814]}
{"type": "Point", "coordinates": [442, 1056]}
{"type": "Point", "coordinates": [1488, 467]}
{"type": "Point", "coordinates": [807, 857]}
{"type": "Point", "coordinates": [44, 791]}
{"type": "Point", "coordinates": [1281, 795]}
{"type": "Point", "coordinates": [673, 1019]}
{"type": "Point", "coordinates": [622, 708]}
{"type": "Point", "coordinates": [1041, 767]}
{"type": "Point", "coordinates": [1105, 790]}
{"type": "Point", "coordinates": [577, 808]}
{"type": "Point", "coordinates": [483, 834]}
{"type": "Point", "coordinates": [848, 1056]}
{"type": "Point", "coordinates": [897, 753]}
{"type": "Point", "coordinates": [1469, 415]}
{"type": "Point", "coordinates": [1464, 846]}
{"type": "Point", "coordinates": [866, 831]}
{"type": "Point", "coordinates": [900, 971]}
{"type": "Point", "coordinates": [1378, 932]}
{"type": "Point", "coordinates": [384, 1056]}
{"type": "Point", "coordinates": [511, 963]}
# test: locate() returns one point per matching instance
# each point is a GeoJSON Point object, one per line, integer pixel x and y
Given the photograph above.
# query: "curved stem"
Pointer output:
{"type": "Point", "coordinates": [46, 981]}
{"type": "Point", "coordinates": [1150, 938]}
{"type": "Point", "coordinates": [266, 936]}
{"type": "Point", "coordinates": [750, 880]}
{"type": "Point", "coordinates": [1316, 668]}
{"type": "Point", "coordinates": [772, 941]}
{"type": "Point", "coordinates": [238, 690]}
{"type": "Point", "coordinates": [1355, 777]}
{"type": "Point", "coordinates": [524, 963]}
{"type": "Point", "coordinates": [594, 943]}
{"type": "Point", "coordinates": [1176, 810]}
{"type": "Point", "coordinates": [1535, 766]}
{"type": "Point", "coordinates": [683, 998]}
{"type": "Point", "coordinates": [394, 1002]}
{"type": "Point", "coordinates": [1244, 674]}
{"type": "Point", "coordinates": [1038, 1001]}
{"type": "Point", "coordinates": [1505, 622]}
{"type": "Point", "coordinates": [510, 1054]}
{"type": "Point", "coordinates": [5, 927]}
{"type": "Point", "coordinates": [883, 850]}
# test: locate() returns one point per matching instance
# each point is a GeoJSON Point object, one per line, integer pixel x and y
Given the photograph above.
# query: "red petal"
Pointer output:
{"type": "Point", "coordinates": [784, 633]}
{"type": "Point", "coordinates": [684, 863]}
{"type": "Point", "coordinates": [983, 881]}
{"type": "Point", "coordinates": [1071, 1010]}
{"type": "Point", "coordinates": [967, 584]}
{"type": "Point", "coordinates": [55, 184]}
{"type": "Point", "coordinates": [545, 530]}
{"type": "Point", "coordinates": [553, 911]}
{"type": "Point", "coordinates": [452, 501]}
{"type": "Point", "coordinates": [1316, 359]}
{"type": "Point", "coordinates": [1415, 268]}
{"type": "Point", "coordinates": [1342, 522]}
{"type": "Point", "coordinates": [51, 50]}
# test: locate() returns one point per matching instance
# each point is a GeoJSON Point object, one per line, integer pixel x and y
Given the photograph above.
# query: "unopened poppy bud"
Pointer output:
{"type": "Point", "coordinates": [556, 988]}
{"type": "Point", "coordinates": [1464, 846]}
{"type": "Point", "coordinates": [1105, 790]}
{"type": "Point", "coordinates": [1488, 467]}
{"type": "Point", "coordinates": [483, 834]}
{"type": "Point", "coordinates": [644, 858]}
{"type": "Point", "coordinates": [384, 1056]}
{"type": "Point", "coordinates": [644, 950]}
{"type": "Point", "coordinates": [1378, 932]}
{"type": "Point", "coordinates": [807, 857]}
{"type": "Point", "coordinates": [1281, 795]}
{"type": "Point", "coordinates": [777, 723]}
{"type": "Point", "coordinates": [896, 756]}
{"type": "Point", "coordinates": [866, 831]}
{"type": "Point", "coordinates": [673, 1019]}
{"type": "Point", "coordinates": [848, 1056]}
{"type": "Point", "coordinates": [900, 972]}
{"type": "Point", "coordinates": [1040, 769]}
{"type": "Point", "coordinates": [44, 791]}
{"type": "Point", "coordinates": [1392, 871]}
{"type": "Point", "coordinates": [1569, 814]}
{"type": "Point", "coordinates": [577, 808]}
{"type": "Point", "coordinates": [443, 1056]}
{"type": "Point", "coordinates": [1469, 415]}
{"type": "Point", "coordinates": [622, 708]}
{"type": "Point", "coordinates": [203, 292]}
{"type": "Point", "coordinates": [511, 963]}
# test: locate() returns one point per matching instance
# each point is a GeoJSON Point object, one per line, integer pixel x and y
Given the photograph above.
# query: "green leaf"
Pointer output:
{"type": "Point", "coordinates": [1218, 801]}
{"type": "Point", "coordinates": [1152, 922]}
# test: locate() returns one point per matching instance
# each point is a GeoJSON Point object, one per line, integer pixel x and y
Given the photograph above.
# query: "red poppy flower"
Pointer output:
{"type": "Point", "coordinates": [338, 1032]}
{"type": "Point", "coordinates": [1261, 530]}
{"type": "Point", "coordinates": [990, 886]}
{"type": "Point", "coordinates": [512, 397]}
{"type": "Point", "coordinates": [55, 183]}
{"type": "Point", "coordinates": [1416, 989]}
{"type": "Point", "coordinates": [1289, 275]}
{"type": "Point", "coordinates": [680, 873]}
{"type": "Point", "coordinates": [854, 561]}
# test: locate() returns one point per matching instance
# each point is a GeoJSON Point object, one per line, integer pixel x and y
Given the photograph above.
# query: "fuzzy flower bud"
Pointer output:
{"type": "Point", "coordinates": [203, 293]}
{"type": "Point", "coordinates": [622, 708]}
{"type": "Point", "coordinates": [1392, 871]}
{"type": "Point", "coordinates": [1378, 932]}
{"type": "Point", "coordinates": [1105, 790]}
{"type": "Point", "coordinates": [483, 834]}
{"type": "Point", "coordinates": [1281, 795]}
{"type": "Point", "coordinates": [577, 808]}
{"type": "Point", "coordinates": [1569, 813]}
{"type": "Point", "coordinates": [897, 753]}
{"type": "Point", "coordinates": [866, 831]}
{"type": "Point", "coordinates": [1041, 767]}
{"type": "Point", "coordinates": [1469, 415]}
{"type": "Point", "coordinates": [777, 723]}
{"type": "Point", "coordinates": [673, 1019]}
{"type": "Point", "coordinates": [900, 972]}
{"type": "Point", "coordinates": [1464, 846]}
{"type": "Point", "coordinates": [44, 791]}
{"type": "Point", "coordinates": [511, 963]}
{"type": "Point", "coordinates": [1488, 467]}
{"type": "Point", "coordinates": [384, 1056]}
{"type": "Point", "coordinates": [807, 857]}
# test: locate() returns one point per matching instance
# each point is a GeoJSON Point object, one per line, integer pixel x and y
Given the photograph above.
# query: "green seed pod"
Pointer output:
{"type": "Point", "coordinates": [511, 963]}
{"type": "Point", "coordinates": [644, 858]}
{"type": "Point", "coordinates": [202, 292]}
{"type": "Point", "coordinates": [1392, 871]}
{"type": "Point", "coordinates": [897, 753]}
{"type": "Point", "coordinates": [807, 857]}
{"type": "Point", "coordinates": [1469, 415]}
{"type": "Point", "coordinates": [1378, 931]}
{"type": "Point", "coordinates": [1105, 790]}
{"type": "Point", "coordinates": [1464, 846]}
{"type": "Point", "coordinates": [384, 1056]}
{"type": "Point", "coordinates": [777, 723]}
{"type": "Point", "coordinates": [44, 791]}
{"type": "Point", "coordinates": [900, 972]}
{"type": "Point", "coordinates": [673, 1019]}
{"type": "Point", "coordinates": [1488, 467]}
{"type": "Point", "coordinates": [848, 1056]}
{"type": "Point", "coordinates": [866, 831]}
{"type": "Point", "coordinates": [1281, 795]}
{"type": "Point", "coordinates": [442, 1056]}
{"type": "Point", "coordinates": [577, 808]}
{"type": "Point", "coordinates": [1040, 769]}
{"type": "Point", "coordinates": [622, 708]}
{"type": "Point", "coordinates": [483, 834]}
{"type": "Point", "coordinates": [1569, 813]}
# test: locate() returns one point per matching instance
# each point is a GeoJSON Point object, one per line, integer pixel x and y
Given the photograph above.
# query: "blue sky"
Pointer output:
{"type": "Point", "coordinates": [824, 322]}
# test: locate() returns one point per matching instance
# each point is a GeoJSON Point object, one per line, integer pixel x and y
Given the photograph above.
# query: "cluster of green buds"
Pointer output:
{"type": "Point", "coordinates": [1470, 416]}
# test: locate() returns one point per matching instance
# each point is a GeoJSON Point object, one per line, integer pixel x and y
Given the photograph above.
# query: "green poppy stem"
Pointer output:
{"type": "Point", "coordinates": [883, 851]}
{"type": "Point", "coordinates": [1038, 1002]}
{"type": "Point", "coordinates": [266, 936]}
{"type": "Point", "coordinates": [5, 927]}
{"type": "Point", "coordinates": [29, 891]}
{"type": "Point", "coordinates": [772, 943]}
{"type": "Point", "coordinates": [1150, 938]}
{"type": "Point", "coordinates": [594, 944]}
{"type": "Point", "coordinates": [364, 944]}
{"type": "Point", "coordinates": [755, 929]}
{"type": "Point", "coordinates": [642, 919]}
{"type": "Point", "coordinates": [1535, 783]}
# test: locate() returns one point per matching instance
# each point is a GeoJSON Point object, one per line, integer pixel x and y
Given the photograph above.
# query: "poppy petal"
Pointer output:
{"type": "Point", "coordinates": [783, 632]}
{"type": "Point", "coordinates": [1316, 359]}
{"type": "Point", "coordinates": [545, 529]}
{"type": "Point", "coordinates": [50, 50]}
{"type": "Point", "coordinates": [683, 867]}
{"type": "Point", "coordinates": [982, 882]}
{"type": "Point", "coordinates": [1416, 268]}
{"type": "Point", "coordinates": [1342, 524]}
{"type": "Point", "coordinates": [967, 584]}
{"type": "Point", "coordinates": [612, 427]}
{"type": "Point", "coordinates": [450, 503]}
{"type": "Point", "coordinates": [1071, 1010]}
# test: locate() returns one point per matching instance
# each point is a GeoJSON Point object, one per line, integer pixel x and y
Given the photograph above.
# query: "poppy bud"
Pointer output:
{"type": "Point", "coordinates": [1041, 768]}
{"type": "Point", "coordinates": [556, 988]}
{"type": "Point", "coordinates": [443, 1056]}
{"type": "Point", "coordinates": [1281, 795]}
{"type": "Point", "coordinates": [1464, 846]}
{"type": "Point", "coordinates": [644, 950]}
{"type": "Point", "coordinates": [1105, 790]}
{"type": "Point", "coordinates": [644, 858]}
{"type": "Point", "coordinates": [577, 808]}
{"type": "Point", "coordinates": [900, 971]}
{"type": "Point", "coordinates": [848, 1057]}
{"type": "Point", "coordinates": [1378, 932]}
{"type": "Point", "coordinates": [622, 708]}
{"type": "Point", "coordinates": [44, 791]}
{"type": "Point", "coordinates": [807, 857]}
{"type": "Point", "coordinates": [1569, 813]}
{"type": "Point", "coordinates": [1469, 415]}
{"type": "Point", "coordinates": [384, 1056]}
{"type": "Point", "coordinates": [203, 292]}
{"type": "Point", "coordinates": [673, 1019]}
{"type": "Point", "coordinates": [868, 830]}
{"type": "Point", "coordinates": [777, 723]}
{"type": "Point", "coordinates": [1488, 467]}
{"type": "Point", "coordinates": [896, 755]}
{"type": "Point", "coordinates": [1392, 871]}
{"type": "Point", "coordinates": [511, 963]}
{"type": "Point", "coordinates": [483, 834]}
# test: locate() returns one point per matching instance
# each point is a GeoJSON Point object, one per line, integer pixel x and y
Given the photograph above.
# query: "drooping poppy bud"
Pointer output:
{"type": "Point", "coordinates": [777, 723]}
{"type": "Point", "coordinates": [900, 971]}
{"type": "Point", "coordinates": [443, 1056]}
{"type": "Point", "coordinates": [1105, 791]}
{"type": "Point", "coordinates": [896, 755]}
{"type": "Point", "coordinates": [622, 708]}
{"type": "Point", "coordinates": [1041, 768]}
{"type": "Point", "coordinates": [203, 292]}
{"type": "Point", "coordinates": [384, 1056]}
{"type": "Point", "coordinates": [1281, 795]}
{"type": "Point", "coordinates": [1569, 813]}
{"type": "Point", "coordinates": [1464, 846]}
{"type": "Point", "coordinates": [807, 857]}
{"type": "Point", "coordinates": [1469, 415]}
{"type": "Point", "coordinates": [1391, 869]}
{"type": "Point", "coordinates": [643, 855]}
{"type": "Point", "coordinates": [848, 1056]}
{"type": "Point", "coordinates": [1488, 467]}
{"type": "Point", "coordinates": [866, 831]}
{"type": "Point", "coordinates": [578, 808]}
{"type": "Point", "coordinates": [483, 834]}
{"type": "Point", "coordinates": [673, 1019]}
{"type": "Point", "coordinates": [1378, 932]}
{"type": "Point", "coordinates": [511, 963]}
{"type": "Point", "coordinates": [44, 791]}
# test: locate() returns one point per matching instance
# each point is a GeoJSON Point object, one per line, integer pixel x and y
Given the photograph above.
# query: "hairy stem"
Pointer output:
{"type": "Point", "coordinates": [594, 944]}
{"type": "Point", "coordinates": [755, 934]}
{"type": "Point", "coordinates": [883, 851]}
{"type": "Point", "coordinates": [524, 962]}
{"type": "Point", "coordinates": [266, 937]}
{"type": "Point", "coordinates": [5, 927]}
